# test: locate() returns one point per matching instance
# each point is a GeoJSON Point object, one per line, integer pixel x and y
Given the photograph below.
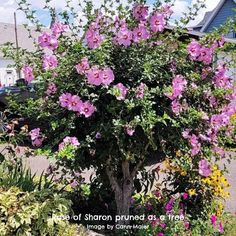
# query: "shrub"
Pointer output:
{"type": "Point", "coordinates": [24, 213]}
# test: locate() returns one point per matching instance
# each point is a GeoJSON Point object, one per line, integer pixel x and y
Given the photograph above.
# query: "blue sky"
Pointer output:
{"type": "Point", "coordinates": [8, 7]}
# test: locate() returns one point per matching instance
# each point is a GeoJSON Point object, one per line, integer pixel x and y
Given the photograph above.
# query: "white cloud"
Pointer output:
{"type": "Point", "coordinates": [9, 6]}
{"type": "Point", "coordinates": [180, 7]}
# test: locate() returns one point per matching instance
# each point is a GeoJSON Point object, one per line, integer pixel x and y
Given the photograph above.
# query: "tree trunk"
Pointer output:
{"type": "Point", "coordinates": [123, 189]}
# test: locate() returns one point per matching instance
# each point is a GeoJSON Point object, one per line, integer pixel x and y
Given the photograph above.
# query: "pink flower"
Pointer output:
{"type": "Point", "coordinates": [83, 66]}
{"type": "Point", "coordinates": [140, 90]}
{"type": "Point", "coordinates": [194, 49]}
{"type": "Point", "coordinates": [178, 86]}
{"type": "Point", "coordinates": [140, 33]}
{"type": "Point", "coordinates": [37, 142]}
{"type": "Point", "coordinates": [219, 151]}
{"type": "Point", "coordinates": [65, 99]}
{"type": "Point", "coordinates": [221, 80]}
{"type": "Point", "coordinates": [52, 89]}
{"type": "Point", "coordinates": [196, 146]}
{"type": "Point", "coordinates": [122, 91]}
{"type": "Point", "coordinates": [93, 38]}
{"type": "Point", "coordinates": [75, 103]}
{"type": "Point", "coordinates": [185, 133]}
{"type": "Point", "coordinates": [206, 55]}
{"type": "Point", "coordinates": [107, 76]}
{"type": "Point", "coordinates": [46, 40]}
{"type": "Point", "coordinates": [129, 130]}
{"type": "Point", "coordinates": [124, 36]}
{"type": "Point", "coordinates": [204, 168]}
{"type": "Point", "coordinates": [221, 228]}
{"type": "Point", "coordinates": [186, 225]}
{"type": "Point", "coordinates": [157, 22]}
{"type": "Point", "coordinates": [28, 73]}
{"type": "Point", "coordinates": [36, 138]}
{"type": "Point", "coordinates": [74, 184]}
{"type": "Point", "coordinates": [50, 62]}
{"type": "Point", "coordinates": [185, 196]}
{"type": "Point", "coordinates": [166, 10]}
{"type": "Point", "coordinates": [88, 109]}
{"type": "Point", "coordinates": [58, 28]}
{"type": "Point", "coordinates": [34, 133]}
{"type": "Point", "coordinates": [176, 107]}
{"type": "Point", "coordinates": [94, 76]}
{"type": "Point", "coordinates": [213, 220]}
{"type": "Point", "coordinates": [140, 12]}
{"type": "Point", "coordinates": [169, 205]}
{"type": "Point", "coordinates": [69, 141]}
{"type": "Point", "coordinates": [160, 234]}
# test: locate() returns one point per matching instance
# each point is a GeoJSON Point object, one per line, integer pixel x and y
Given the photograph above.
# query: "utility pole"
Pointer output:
{"type": "Point", "coordinates": [17, 45]}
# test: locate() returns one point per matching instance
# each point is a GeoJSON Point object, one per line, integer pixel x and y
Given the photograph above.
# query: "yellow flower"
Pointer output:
{"type": "Point", "coordinates": [183, 173]}
{"type": "Point", "coordinates": [178, 153]}
{"type": "Point", "coordinates": [192, 192]}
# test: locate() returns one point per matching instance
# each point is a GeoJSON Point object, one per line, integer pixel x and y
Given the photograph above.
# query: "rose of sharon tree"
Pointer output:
{"type": "Point", "coordinates": [125, 90]}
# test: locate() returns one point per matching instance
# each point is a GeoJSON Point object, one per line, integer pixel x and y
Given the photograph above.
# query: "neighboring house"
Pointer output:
{"type": "Point", "coordinates": [8, 74]}
{"type": "Point", "coordinates": [215, 18]}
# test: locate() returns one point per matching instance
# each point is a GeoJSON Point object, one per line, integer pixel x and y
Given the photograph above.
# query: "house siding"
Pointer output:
{"type": "Point", "coordinates": [226, 11]}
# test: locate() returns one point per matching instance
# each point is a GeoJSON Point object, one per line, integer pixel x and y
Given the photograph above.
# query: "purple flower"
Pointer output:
{"type": "Point", "coordinates": [213, 220]}
{"type": "Point", "coordinates": [166, 10]}
{"type": "Point", "coordinates": [28, 73]}
{"type": "Point", "coordinates": [94, 76]}
{"type": "Point", "coordinates": [34, 133]}
{"type": "Point", "coordinates": [129, 130]}
{"type": "Point", "coordinates": [93, 38]}
{"type": "Point", "coordinates": [83, 66]}
{"type": "Point", "coordinates": [46, 40]}
{"type": "Point", "coordinates": [194, 49]}
{"type": "Point", "coordinates": [157, 22]}
{"type": "Point", "coordinates": [59, 28]}
{"type": "Point", "coordinates": [140, 33]}
{"type": "Point", "coordinates": [160, 234]}
{"type": "Point", "coordinates": [74, 184]}
{"type": "Point", "coordinates": [122, 91]}
{"type": "Point", "coordinates": [107, 76]}
{"type": "Point", "coordinates": [204, 168]}
{"type": "Point", "coordinates": [75, 103]}
{"type": "Point", "coordinates": [124, 37]}
{"type": "Point", "coordinates": [64, 100]}
{"type": "Point", "coordinates": [169, 205]}
{"type": "Point", "coordinates": [186, 225]}
{"type": "Point", "coordinates": [221, 228]}
{"type": "Point", "coordinates": [196, 146]}
{"type": "Point", "coordinates": [176, 107]}
{"type": "Point", "coordinates": [185, 196]}
{"type": "Point", "coordinates": [69, 140]}
{"type": "Point", "coordinates": [52, 89]}
{"type": "Point", "coordinates": [140, 90]}
{"type": "Point", "coordinates": [98, 135]}
{"type": "Point", "coordinates": [36, 138]}
{"type": "Point", "coordinates": [206, 55]}
{"type": "Point", "coordinates": [140, 12]}
{"type": "Point", "coordinates": [49, 62]}
{"type": "Point", "coordinates": [87, 109]}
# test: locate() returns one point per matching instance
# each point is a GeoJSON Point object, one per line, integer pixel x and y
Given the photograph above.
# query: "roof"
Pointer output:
{"type": "Point", "coordinates": [25, 42]}
{"type": "Point", "coordinates": [209, 17]}
{"type": "Point", "coordinates": [204, 20]}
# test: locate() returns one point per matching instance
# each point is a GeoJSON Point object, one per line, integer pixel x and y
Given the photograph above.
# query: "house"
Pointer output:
{"type": "Point", "coordinates": [8, 74]}
{"type": "Point", "coordinates": [215, 18]}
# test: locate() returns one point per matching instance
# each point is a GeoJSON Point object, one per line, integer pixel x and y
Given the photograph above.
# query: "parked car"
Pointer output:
{"type": "Point", "coordinates": [21, 88]}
